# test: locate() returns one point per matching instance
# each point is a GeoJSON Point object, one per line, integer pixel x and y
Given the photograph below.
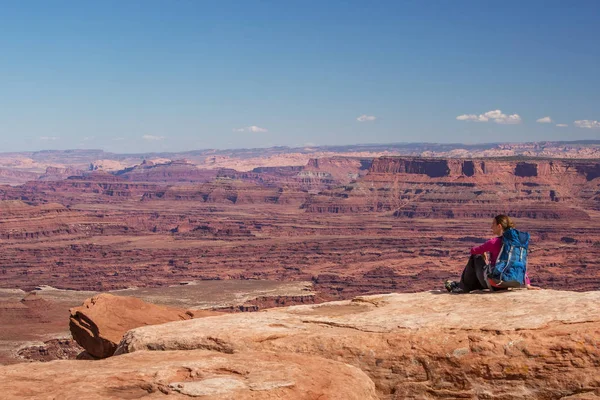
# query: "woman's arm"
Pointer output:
{"type": "Point", "coordinates": [486, 247]}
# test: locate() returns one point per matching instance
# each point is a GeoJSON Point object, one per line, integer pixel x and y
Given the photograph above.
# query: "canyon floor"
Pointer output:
{"type": "Point", "coordinates": [294, 258]}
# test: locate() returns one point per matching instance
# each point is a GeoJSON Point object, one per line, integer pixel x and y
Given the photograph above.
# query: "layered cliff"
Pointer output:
{"type": "Point", "coordinates": [456, 167]}
{"type": "Point", "coordinates": [459, 188]}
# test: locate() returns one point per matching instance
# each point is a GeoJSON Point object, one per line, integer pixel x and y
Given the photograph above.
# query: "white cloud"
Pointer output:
{"type": "Point", "coordinates": [509, 119]}
{"type": "Point", "coordinates": [562, 125]}
{"type": "Point", "coordinates": [366, 118]}
{"type": "Point", "coordinates": [471, 117]}
{"type": "Point", "coordinates": [496, 116]}
{"type": "Point", "coordinates": [253, 128]}
{"type": "Point", "coordinates": [587, 123]}
{"type": "Point", "coordinates": [152, 137]}
{"type": "Point", "coordinates": [545, 120]}
{"type": "Point", "coordinates": [48, 138]}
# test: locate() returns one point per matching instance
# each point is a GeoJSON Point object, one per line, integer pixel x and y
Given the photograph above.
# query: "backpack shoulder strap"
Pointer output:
{"type": "Point", "coordinates": [500, 253]}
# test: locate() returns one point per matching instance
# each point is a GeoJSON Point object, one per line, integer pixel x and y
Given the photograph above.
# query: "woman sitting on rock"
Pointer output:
{"type": "Point", "coordinates": [474, 276]}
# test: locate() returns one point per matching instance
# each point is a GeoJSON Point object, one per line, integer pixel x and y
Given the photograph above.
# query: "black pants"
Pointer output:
{"type": "Point", "coordinates": [474, 277]}
{"type": "Point", "coordinates": [474, 274]}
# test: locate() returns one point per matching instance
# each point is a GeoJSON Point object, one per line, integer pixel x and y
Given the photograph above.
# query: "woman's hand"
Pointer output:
{"type": "Point", "coordinates": [486, 258]}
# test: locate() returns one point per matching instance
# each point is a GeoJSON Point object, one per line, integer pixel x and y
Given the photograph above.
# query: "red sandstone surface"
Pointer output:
{"type": "Point", "coordinates": [351, 226]}
{"type": "Point", "coordinates": [408, 346]}
{"type": "Point", "coordinates": [209, 375]}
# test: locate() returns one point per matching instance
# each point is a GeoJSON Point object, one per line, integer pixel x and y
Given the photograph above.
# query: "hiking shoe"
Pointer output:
{"type": "Point", "coordinates": [458, 290]}
{"type": "Point", "coordinates": [449, 285]}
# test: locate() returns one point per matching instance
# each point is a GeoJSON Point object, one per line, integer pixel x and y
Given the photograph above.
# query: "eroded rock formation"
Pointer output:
{"type": "Point", "coordinates": [100, 323]}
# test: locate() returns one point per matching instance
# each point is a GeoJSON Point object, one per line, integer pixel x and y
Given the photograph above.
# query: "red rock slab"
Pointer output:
{"type": "Point", "coordinates": [514, 345]}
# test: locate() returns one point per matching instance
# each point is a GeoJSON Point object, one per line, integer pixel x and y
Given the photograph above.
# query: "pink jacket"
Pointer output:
{"type": "Point", "coordinates": [493, 246]}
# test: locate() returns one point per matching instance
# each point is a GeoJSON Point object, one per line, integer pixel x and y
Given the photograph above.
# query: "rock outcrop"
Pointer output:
{"type": "Point", "coordinates": [172, 171]}
{"type": "Point", "coordinates": [513, 345]}
{"type": "Point", "coordinates": [57, 174]}
{"type": "Point", "coordinates": [100, 323]}
{"type": "Point", "coordinates": [189, 374]}
{"type": "Point", "coordinates": [53, 349]}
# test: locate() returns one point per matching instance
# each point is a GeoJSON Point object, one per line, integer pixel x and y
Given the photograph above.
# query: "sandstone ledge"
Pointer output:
{"type": "Point", "coordinates": [188, 374]}
{"type": "Point", "coordinates": [519, 344]}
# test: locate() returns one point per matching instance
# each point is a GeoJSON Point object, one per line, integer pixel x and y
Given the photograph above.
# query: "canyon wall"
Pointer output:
{"type": "Point", "coordinates": [468, 188]}
{"type": "Point", "coordinates": [457, 167]}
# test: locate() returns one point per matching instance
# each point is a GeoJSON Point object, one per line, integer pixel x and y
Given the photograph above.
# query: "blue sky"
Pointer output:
{"type": "Point", "coordinates": [138, 76]}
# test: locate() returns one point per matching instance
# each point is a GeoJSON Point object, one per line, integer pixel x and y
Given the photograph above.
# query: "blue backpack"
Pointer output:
{"type": "Point", "coordinates": [511, 264]}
